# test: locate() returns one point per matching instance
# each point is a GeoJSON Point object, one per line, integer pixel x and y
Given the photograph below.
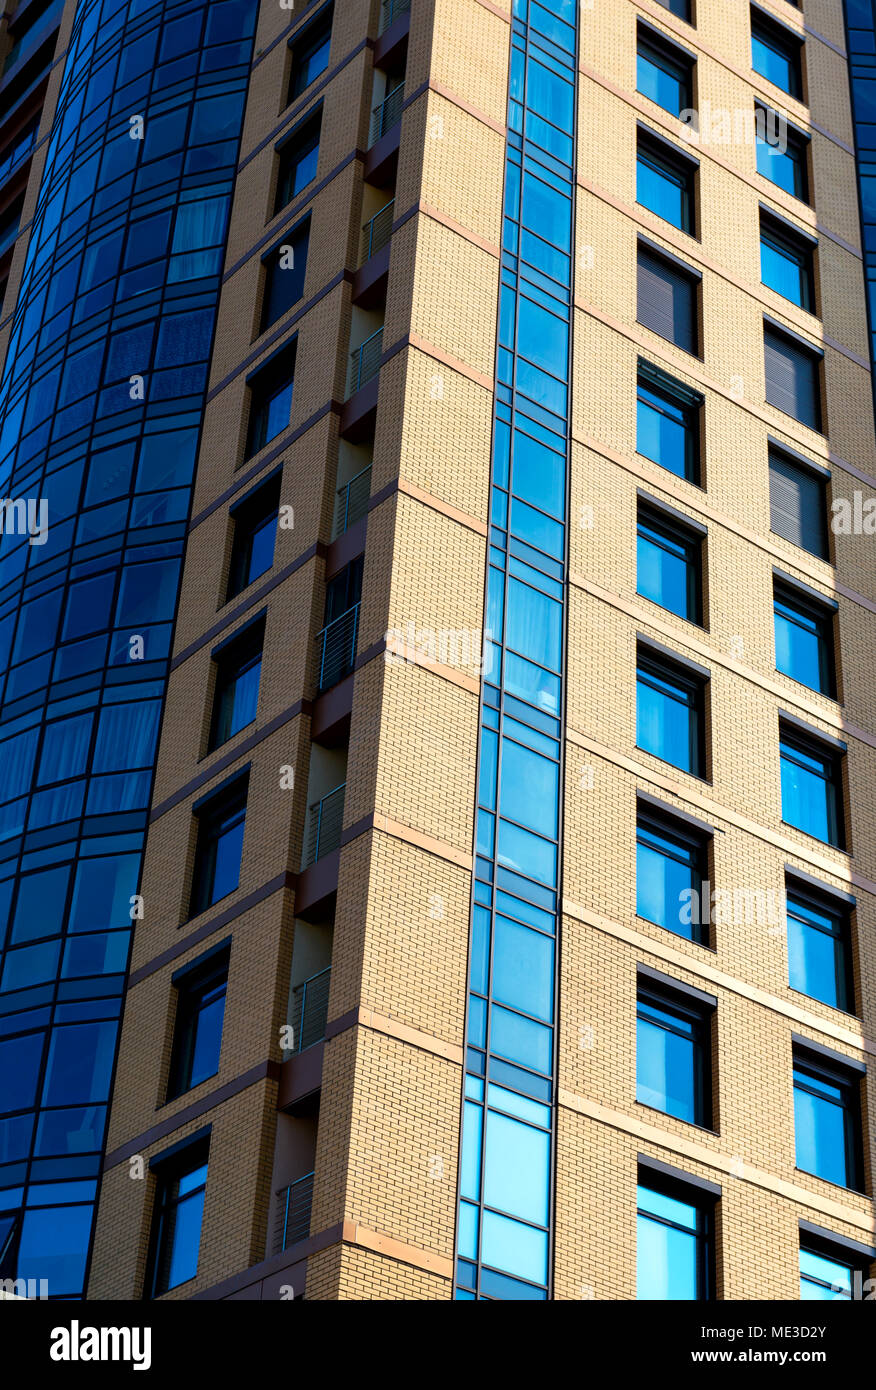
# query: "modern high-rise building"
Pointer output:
{"type": "Point", "coordinates": [437, 630]}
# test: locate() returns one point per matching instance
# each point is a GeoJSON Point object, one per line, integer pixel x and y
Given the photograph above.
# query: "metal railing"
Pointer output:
{"type": "Point", "coordinates": [309, 1012]}
{"type": "Point", "coordinates": [365, 362]}
{"type": "Point", "coordinates": [337, 648]}
{"type": "Point", "coordinates": [387, 113]}
{"type": "Point", "coordinates": [293, 1213]}
{"type": "Point", "coordinates": [325, 819]}
{"type": "Point", "coordinates": [351, 502]}
{"type": "Point", "coordinates": [377, 232]}
{"type": "Point", "coordinates": [390, 10]}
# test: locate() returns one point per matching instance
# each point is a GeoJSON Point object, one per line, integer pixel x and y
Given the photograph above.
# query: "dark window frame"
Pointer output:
{"type": "Point", "coordinates": [701, 1018]}
{"type": "Point", "coordinates": [823, 616]}
{"type": "Point", "coordinates": [705, 1204]}
{"type": "Point", "coordinates": [673, 396]}
{"type": "Point", "coordinates": [168, 1172]}
{"type": "Point", "coordinates": [224, 810]}
{"type": "Point", "coordinates": [233, 660]}
{"type": "Point", "coordinates": [833, 759]}
{"type": "Point", "coordinates": [290, 153]}
{"type": "Point", "coordinates": [809, 900]}
{"type": "Point", "coordinates": [805, 355]}
{"type": "Point", "coordinates": [659, 264]}
{"type": "Point", "coordinates": [193, 986]}
{"type": "Point", "coordinates": [249, 516]}
{"type": "Point", "coordinates": [782, 466]}
{"type": "Point", "coordinates": [654, 665]}
{"type": "Point", "coordinates": [303, 45]}
{"type": "Point", "coordinates": [265, 385]}
{"type": "Point", "coordinates": [676, 62]}
{"type": "Point", "coordinates": [675, 167]}
{"type": "Point", "coordinates": [276, 306]}
{"type": "Point", "coordinates": [674, 532]}
{"type": "Point", "coordinates": [798, 146]}
{"type": "Point", "coordinates": [694, 849]}
{"type": "Point", "coordinates": [786, 44]}
{"type": "Point", "coordinates": [848, 1082]}
{"type": "Point", "coordinates": [796, 248]}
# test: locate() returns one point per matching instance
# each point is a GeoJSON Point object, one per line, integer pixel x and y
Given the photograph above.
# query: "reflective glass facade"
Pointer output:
{"type": "Point", "coordinates": [861, 40]}
{"type": "Point", "coordinates": [504, 1237]}
{"type": "Point", "coordinates": [103, 395]}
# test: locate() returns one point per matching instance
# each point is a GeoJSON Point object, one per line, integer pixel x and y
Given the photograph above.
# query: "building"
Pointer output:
{"type": "Point", "coordinates": [469, 790]}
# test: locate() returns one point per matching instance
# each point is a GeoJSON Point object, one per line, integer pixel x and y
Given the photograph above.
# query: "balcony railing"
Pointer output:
{"type": "Point", "coordinates": [390, 11]}
{"type": "Point", "coordinates": [387, 114]}
{"type": "Point", "coordinates": [365, 362]}
{"type": "Point", "coordinates": [293, 1213]}
{"type": "Point", "coordinates": [337, 648]}
{"type": "Point", "coordinates": [325, 819]}
{"type": "Point", "coordinates": [309, 1011]}
{"type": "Point", "coordinates": [351, 502]}
{"type": "Point", "coordinates": [377, 231]}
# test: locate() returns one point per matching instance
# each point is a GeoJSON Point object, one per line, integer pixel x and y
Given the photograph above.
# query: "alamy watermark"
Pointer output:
{"type": "Point", "coordinates": [466, 648]}
{"type": "Point", "coordinates": [715, 125]}
{"type": "Point", "coordinates": [731, 907]}
{"type": "Point", "coordinates": [25, 516]}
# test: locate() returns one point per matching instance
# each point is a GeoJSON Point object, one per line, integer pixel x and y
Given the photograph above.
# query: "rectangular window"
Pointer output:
{"type": "Point", "coordinates": [680, 8]}
{"type": "Point", "coordinates": [793, 377]}
{"type": "Point", "coordinates": [285, 266]}
{"type": "Point", "coordinates": [670, 712]}
{"type": "Point", "coordinates": [811, 786]}
{"type": "Point", "coordinates": [798, 504]}
{"type": "Point", "coordinates": [667, 300]}
{"type": "Point", "coordinates": [777, 54]}
{"type": "Point", "coordinates": [786, 263]}
{"type": "Point", "coordinates": [782, 153]}
{"type": "Point", "coordinates": [310, 52]}
{"type": "Point", "coordinates": [827, 1120]}
{"type": "Point", "coordinates": [238, 672]}
{"type": "Point", "coordinates": [819, 948]}
{"type": "Point", "coordinates": [669, 564]}
{"type": "Point", "coordinates": [666, 183]}
{"type": "Point", "coordinates": [179, 1210]}
{"type": "Point", "coordinates": [671, 864]}
{"type": "Point", "coordinates": [270, 406]}
{"type": "Point", "coordinates": [827, 1273]}
{"type": "Point", "coordinates": [219, 846]}
{"type": "Point", "coordinates": [674, 1241]}
{"type": "Point", "coordinates": [668, 423]}
{"type": "Point", "coordinates": [673, 1054]}
{"type": "Point", "coordinates": [297, 160]}
{"type": "Point", "coordinates": [200, 1011]}
{"type": "Point", "coordinates": [804, 639]}
{"type": "Point", "coordinates": [255, 533]}
{"type": "Point", "coordinates": [664, 73]}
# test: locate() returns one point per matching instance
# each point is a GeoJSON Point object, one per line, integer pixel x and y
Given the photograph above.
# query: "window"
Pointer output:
{"type": "Point", "coordinates": [819, 948]}
{"type": "Point", "coordinates": [673, 1054]}
{"type": "Point", "coordinates": [310, 52]}
{"type": "Point", "coordinates": [239, 668]}
{"type": "Point", "coordinates": [777, 54]}
{"type": "Point", "coordinates": [828, 1272]}
{"type": "Point", "coordinates": [782, 153]}
{"type": "Point", "coordinates": [297, 160]}
{"type": "Point", "coordinates": [219, 846]}
{"type": "Point", "coordinates": [811, 786]}
{"type": "Point", "coordinates": [804, 639]}
{"type": "Point", "coordinates": [668, 423]}
{"type": "Point", "coordinates": [665, 182]}
{"type": "Point", "coordinates": [255, 533]}
{"type": "Point", "coordinates": [667, 296]}
{"type": "Point", "coordinates": [671, 864]}
{"type": "Point", "coordinates": [670, 712]}
{"type": "Point", "coordinates": [798, 504]}
{"type": "Point", "coordinates": [669, 563]}
{"type": "Point", "coordinates": [827, 1120]}
{"type": "Point", "coordinates": [664, 73]}
{"type": "Point", "coordinates": [285, 267]}
{"type": "Point", "coordinates": [270, 400]}
{"type": "Point", "coordinates": [179, 1210]}
{"type": "Point", "coordinates": [793, 377]}
{"type": "Point", "coordinates": [674, 1240]}
{"type": "Point", "coordinates": [200, 1010]}
{"type": "Point", "coordinates": [680, 8]}
{"type": "Point", "coordinates": [786, 262]}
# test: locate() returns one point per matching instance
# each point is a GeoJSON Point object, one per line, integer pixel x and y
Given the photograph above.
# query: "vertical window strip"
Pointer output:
{"type": "Point", "coordinates": [504, 1236]}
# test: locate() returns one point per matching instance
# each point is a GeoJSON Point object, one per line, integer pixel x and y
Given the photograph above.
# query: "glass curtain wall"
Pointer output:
{"type": "Point", "coordinates": [103, 394]}
{"type": "Point", "coordinates": [507, 1158]}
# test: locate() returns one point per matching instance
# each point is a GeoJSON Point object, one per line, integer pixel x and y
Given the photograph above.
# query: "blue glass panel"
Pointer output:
{"type": "Point", "coordinates": [54, 1246]}
{"type": "Point", "coordinates": [521, 1250]}
{"type": "Point", "coordinates": [517, 1180]}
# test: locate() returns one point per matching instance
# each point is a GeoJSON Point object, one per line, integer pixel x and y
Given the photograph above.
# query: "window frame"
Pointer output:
{"type": "Point", "coordinates": [786, 44]}
{"type": "Point", "coordinates": [779, 460]}
{"type": "Point", "coordinates": [290, 152]}
{"type": "Point", "coordinates": [656, 666]}
{"type": "Point", "coordinates": [816, 749]}
{"type": "Point", "coordinates": [192, 985]}
{"type": "Point", "coordinates": [671, 60]}
{"type": "Point", "coordinates": [677, 272]}
{"type": "Point", "coordinates": [797, 147]}
{"type": "Point", "coordinates": [676, 168]}
{"type": "Point", "coordinates": [224, 810]}
{"type": "Point", "coordinates": [169, 1170]}
{"type": "Point", "coordinates": [673, 532]}
{"type": "Point", "coordinates": [806, 901]}
{"type": "Point", "coordinates": [778, 338]}
{"type": "Point", "coordinates": [699, 1017]}
{"type": "Point", "coordinates": [782, 240]}
{"type": "Point", "coordinates": [823, 618]}
{"type": "Point", "coordinates": [233, 659]}
{"type": "Point", "coordinates": [848, 1083]}
{"type": "Point", "coordinates": [686, 403]}
{"type": "Point", "coordinates": [266, 385]}
{"type": "Point", "coordinates": [693, 845]}
{"type": "Point", "coordinates": [253, 512]}
{"type": "Point", "coordinates": [295, 237]}
{"type": "Point", "coordinates": [705, 1204]}
{"type": "Point", "coordinates": [303, 45]}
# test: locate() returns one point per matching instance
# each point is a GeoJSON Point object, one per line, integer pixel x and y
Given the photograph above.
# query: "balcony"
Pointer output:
{"type": "Point", "coordinates": [351, 502]}
{"type": "Point", "coordinates": [293, 1213]}
{"type": "Point", "coordinates": [384, 135]}
{"type": "Point", "coordinates": [309, 1011]}
{"type": "Point", "coordinates": [365, 362]}
{"type": "Point", "coordinates": [360, 408]}
{"type": "Point", "coordinates": [324, 821]}
{"type": "Point", "coordinates": [370, 280]}
{"type": "Point", "coordinates": [386, 115]}
{"type": "Point", "coordinates": [18, 152]}
{"type": "Point", "coordinates": [337, 649]}
{"type": "Point", "coordinates": [390, 11]}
